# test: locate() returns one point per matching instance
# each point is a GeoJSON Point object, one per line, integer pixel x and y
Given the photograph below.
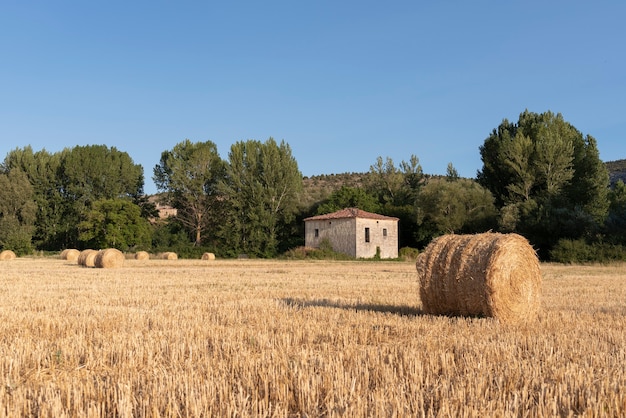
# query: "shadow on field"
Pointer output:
{"type": "Point", "coordinates": [402, 310]}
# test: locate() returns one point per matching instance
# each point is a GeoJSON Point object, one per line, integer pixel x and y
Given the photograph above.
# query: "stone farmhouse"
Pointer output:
{"type": "Point", "coordinates": [354, 232]}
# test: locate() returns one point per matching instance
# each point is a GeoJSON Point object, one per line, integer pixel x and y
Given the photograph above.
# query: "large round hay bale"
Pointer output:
{"type": "Point", "coordinates": [493, 275]}
{"type": "Point", "coordinates": [142, 255]}
{"type": "Point", "coordinates": [70, 254]}
{"type": "Point", "coordinates": [7, 255]}
{"type": "Point", "coordinates": [169, 256]}
{"type": "Point", "coordinates": [109, 258]}
{"type": "Point", "coordinates": [208, 256]}
{"type": "Point", "coordinates": [87, 258]}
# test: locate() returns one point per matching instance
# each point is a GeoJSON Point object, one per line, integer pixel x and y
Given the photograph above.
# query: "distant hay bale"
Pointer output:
{"type": "Point", "coordinates": [142, 255]}
{"type": "Point", "coordinates": [87, 258]}
{"type": "Point", "coordinates": [7, 255]}
{"type": "Point", "coordinates": [208, 256]}
{"type": "Point", "coordinates": [70, 254]}
{"type": "Point", "coordinates": [169, 256]}
{"type": "Point", "coordinates": [109, 258]}
{"type": "Point", "coordinates": [493, 275]}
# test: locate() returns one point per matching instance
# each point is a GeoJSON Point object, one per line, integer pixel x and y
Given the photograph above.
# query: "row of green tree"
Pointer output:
{"type": "Point", "coordinates": [540, 177]}
{"type": "Point", "coordinates": [92, 197]}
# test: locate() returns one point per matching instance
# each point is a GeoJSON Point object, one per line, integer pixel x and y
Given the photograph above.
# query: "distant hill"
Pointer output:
{"type": "Point", "coordinates": [617, 170]}
{"type": "Point", "coordinates": [319, 187]}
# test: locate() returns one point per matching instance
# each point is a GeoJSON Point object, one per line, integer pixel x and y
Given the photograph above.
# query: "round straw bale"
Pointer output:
{"type": "Point", "coordinates": [493, 275]}
{"type": "Point", "coordinates": [109, 258]}
{"type": "Point", "coordinates": [142, 255]}
{"type": "Point", "coordinates": [169, 256]}
{"type": "Point", "coordinates": [70, 254]}
{"type": "Point", "coordinates": [208, 256]}
{"type": "Point", "coordinates": [87, 258]}
{"type": "Point", "coordinates": [7, 255]}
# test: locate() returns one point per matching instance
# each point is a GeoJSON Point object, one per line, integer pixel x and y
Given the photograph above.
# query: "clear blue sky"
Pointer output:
{"type": "Point", "coordinates": [342, 82]}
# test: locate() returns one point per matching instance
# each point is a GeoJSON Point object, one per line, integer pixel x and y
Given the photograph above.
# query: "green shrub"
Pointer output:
{"type": "Point", "coordinates": [298, 253]}
{"type": "Point", "coordinates": [324, 252]}
{"type": "Point", "coordinates": [326, 246]}
{"type": "Point", "coordinates": [18, 241]}
{"type": "Point", "coordinates": [580, 251]}
{"type": "Point", "coordinates": [408, 254]}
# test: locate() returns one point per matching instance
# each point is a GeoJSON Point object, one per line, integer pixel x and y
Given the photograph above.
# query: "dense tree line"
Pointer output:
{"type": "Point", "coordinates": [64, 189]}
{"type": "Point", "coordinates": [540, 177]}
{"type": "Point", "coordinates": [245, 205]}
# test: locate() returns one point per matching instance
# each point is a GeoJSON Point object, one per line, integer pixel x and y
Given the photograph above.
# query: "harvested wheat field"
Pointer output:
{"type": "Point", "coordinates": [246, 338]}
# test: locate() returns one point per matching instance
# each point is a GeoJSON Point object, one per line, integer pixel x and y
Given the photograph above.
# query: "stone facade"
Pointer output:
{"type": "Point", "coordinates": [355, 232]}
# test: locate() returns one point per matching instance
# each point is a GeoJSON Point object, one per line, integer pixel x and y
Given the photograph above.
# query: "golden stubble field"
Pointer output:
{"type": "Point", "coordinates": [252, 338]}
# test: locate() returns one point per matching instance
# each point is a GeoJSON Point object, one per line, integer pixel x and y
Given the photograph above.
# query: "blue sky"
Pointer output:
{"type": "Point", "coordinates": [342, 82]}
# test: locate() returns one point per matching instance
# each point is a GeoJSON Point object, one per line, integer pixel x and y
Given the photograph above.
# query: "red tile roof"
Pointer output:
{"type": "Point", "coordinates": [350, 213]}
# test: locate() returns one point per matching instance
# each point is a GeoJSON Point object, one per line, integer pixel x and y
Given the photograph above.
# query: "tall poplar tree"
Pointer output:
{"type": "Point", "coordinates": [261, 188]}
{"type": "Point", "coordinates": [188, 176]}
{"type": "Point", "coordinates": [17, 211]}
{"type": "Point", "coordinates": [42, 169]}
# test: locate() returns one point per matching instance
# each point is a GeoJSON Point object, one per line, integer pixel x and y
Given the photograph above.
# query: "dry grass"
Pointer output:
{"type": "Point", "coordinates": [268, 338]}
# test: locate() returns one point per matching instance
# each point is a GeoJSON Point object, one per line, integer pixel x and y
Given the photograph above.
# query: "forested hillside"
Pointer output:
{"type": "Point", "coordinates": [617, 170]}
{"type": "Point", "coordinates": [319, 187]}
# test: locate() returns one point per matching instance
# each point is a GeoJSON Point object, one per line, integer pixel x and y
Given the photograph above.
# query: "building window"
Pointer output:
{"type": "Point", "coordinates": [384, 232]}
{"type": "Point", "coordinates": [367, 235]}
{"type": "Point", "coordinates": [317, 233]}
